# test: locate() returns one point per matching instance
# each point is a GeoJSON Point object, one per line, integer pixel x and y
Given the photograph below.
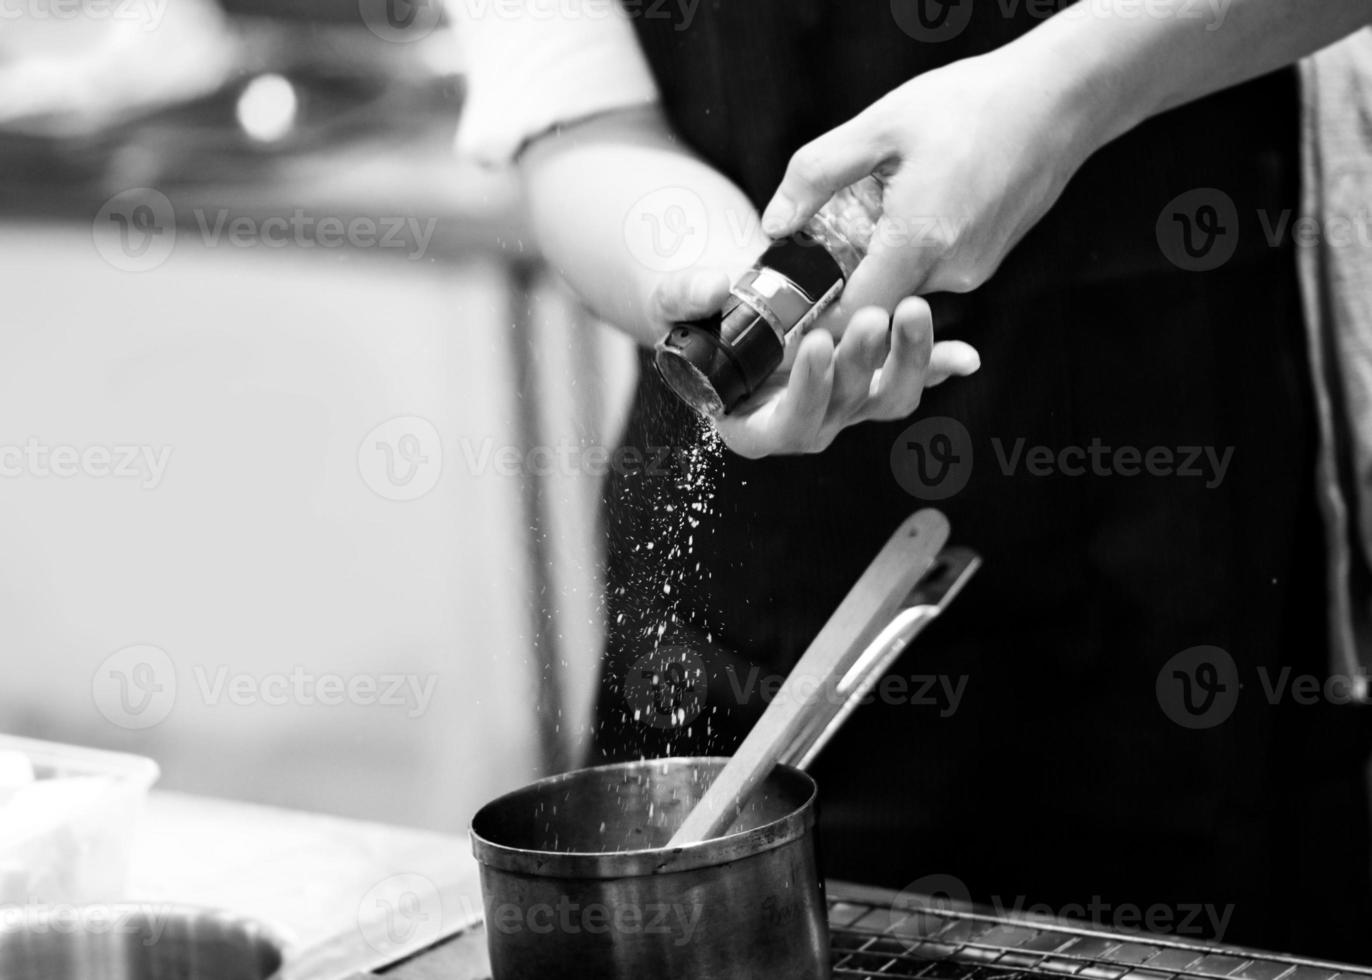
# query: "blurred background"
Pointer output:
{"type": "Point", "coordinates": [272, 365]}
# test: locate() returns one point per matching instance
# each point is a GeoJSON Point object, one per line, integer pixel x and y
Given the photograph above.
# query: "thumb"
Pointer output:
{"type": "Point", "coordinates": [689, 295]}
{"type": "Point", "coordinates": [818, 170]}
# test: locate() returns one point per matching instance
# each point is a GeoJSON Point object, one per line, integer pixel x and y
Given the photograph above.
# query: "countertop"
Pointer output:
{"type": "Point", "coordinates": [345, 896]}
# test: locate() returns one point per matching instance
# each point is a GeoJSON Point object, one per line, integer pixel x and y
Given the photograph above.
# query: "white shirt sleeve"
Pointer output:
{"type": "Point", "coordinates": [533, 64]}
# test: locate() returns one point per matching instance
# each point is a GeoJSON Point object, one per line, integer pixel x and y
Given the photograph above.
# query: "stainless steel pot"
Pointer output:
{"type": "Point", "coordinates": [133, 942]}
{"type": "Point", "coordinates": [577, 879]}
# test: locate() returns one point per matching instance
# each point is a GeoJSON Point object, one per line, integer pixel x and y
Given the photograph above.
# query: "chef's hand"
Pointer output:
{"type": "Point", "coordinates": [877, 369]}
{"type": "Point", "coordinates": [971, 155]}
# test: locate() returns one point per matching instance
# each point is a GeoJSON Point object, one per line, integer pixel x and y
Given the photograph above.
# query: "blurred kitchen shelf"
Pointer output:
{"type": "Point", "coordinates": [373, 139]}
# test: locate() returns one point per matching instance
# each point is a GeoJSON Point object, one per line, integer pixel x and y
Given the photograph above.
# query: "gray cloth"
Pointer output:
{"type": "Point", "coordinates": [1334, 237]}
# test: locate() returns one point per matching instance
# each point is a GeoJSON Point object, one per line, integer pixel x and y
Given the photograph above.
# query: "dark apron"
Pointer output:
{"type": "Point", "coordinates": [1060, 777]}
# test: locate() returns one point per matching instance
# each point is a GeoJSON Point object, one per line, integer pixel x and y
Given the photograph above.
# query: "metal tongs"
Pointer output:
{"type": "Point", "coordinates": [911, 580]}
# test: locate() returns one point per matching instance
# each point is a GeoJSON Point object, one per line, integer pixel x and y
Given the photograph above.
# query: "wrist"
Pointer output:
{"type": "Point", "coordinates": [1090, 94]}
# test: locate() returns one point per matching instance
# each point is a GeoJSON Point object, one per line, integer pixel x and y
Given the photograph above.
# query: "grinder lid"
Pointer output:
{"type": "Point", "coordinates": [713, 374]}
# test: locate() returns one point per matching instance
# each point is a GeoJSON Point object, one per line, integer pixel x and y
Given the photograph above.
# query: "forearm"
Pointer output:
{"type": "Point", "coordinates": [1132, 59]}
{"type": "Point", "coordinates": [617, 204]}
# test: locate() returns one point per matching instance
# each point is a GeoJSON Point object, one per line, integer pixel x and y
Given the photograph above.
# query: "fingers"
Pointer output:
{"type": "Point", "coordinates": [951, 359]}
{"type": "Point", "coordinates": [860, 354]}
{"type": "Point", "coordinates": [897, 390]}
{"type": "Point", "coordinates": [866, 376]}
{"type": "Point", "coordinates": [787, 420]}
{"type": "Point", "coordinates": [689, 295]}
{"type": "Point", "coordinates": [915, 363]}
{"type": "Point", "coordinates": [818, 170]}
{"type": "Point", "coordinates": [882, 279]}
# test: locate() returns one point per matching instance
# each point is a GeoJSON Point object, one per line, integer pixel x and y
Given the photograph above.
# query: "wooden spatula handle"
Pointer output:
{"type": "Point", "coordinates": [877, 595]}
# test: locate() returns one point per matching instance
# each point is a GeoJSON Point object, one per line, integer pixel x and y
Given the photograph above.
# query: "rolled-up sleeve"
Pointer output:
{"type": "Point", "coordinates": [534, 64]}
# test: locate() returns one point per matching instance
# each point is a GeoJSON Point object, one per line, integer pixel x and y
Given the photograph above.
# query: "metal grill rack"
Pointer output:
{"type": "Point", "coordinates": [874, 935]}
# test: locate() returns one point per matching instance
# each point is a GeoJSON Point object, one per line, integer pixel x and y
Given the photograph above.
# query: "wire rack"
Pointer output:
{"type": "Point", "coordinates": [874, 934]}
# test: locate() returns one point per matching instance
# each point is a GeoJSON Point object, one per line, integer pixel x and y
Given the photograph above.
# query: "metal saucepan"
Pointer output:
{"type": "Point", "coordinates": [578, 879]}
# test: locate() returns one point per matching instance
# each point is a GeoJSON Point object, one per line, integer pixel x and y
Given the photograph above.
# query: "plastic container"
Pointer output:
{"type": "Point", "coordinates": [67, 835]}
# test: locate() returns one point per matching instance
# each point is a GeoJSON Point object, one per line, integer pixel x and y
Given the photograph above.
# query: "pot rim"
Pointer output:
{"type": "Point", "coordinates": [793, 826]}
